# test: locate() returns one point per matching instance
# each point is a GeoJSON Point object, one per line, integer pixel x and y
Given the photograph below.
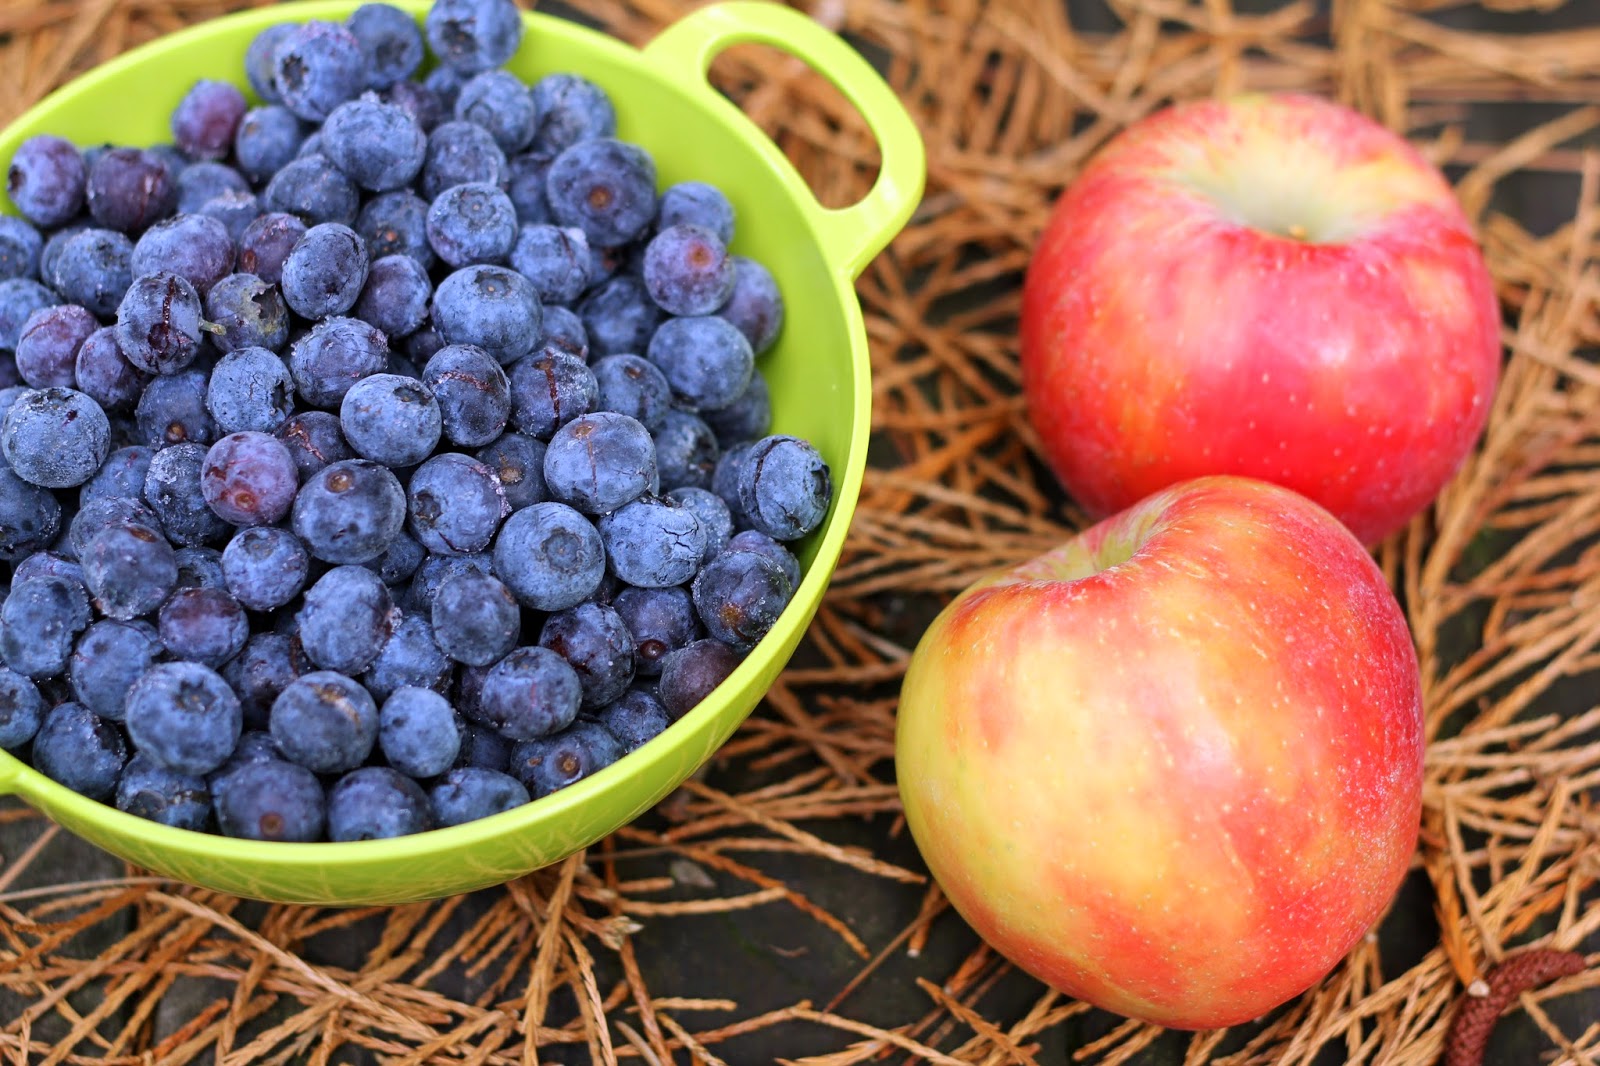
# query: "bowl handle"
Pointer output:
{"type": "Point", "coordinates": [850, 236]}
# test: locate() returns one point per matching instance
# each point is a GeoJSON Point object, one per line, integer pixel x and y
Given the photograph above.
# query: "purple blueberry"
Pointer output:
{"type": "Point", "coordinates": [184, 716]}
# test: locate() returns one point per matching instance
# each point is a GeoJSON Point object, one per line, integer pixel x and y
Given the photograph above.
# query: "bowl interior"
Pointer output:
{"type": "Point", "coordinates": [819, 383]}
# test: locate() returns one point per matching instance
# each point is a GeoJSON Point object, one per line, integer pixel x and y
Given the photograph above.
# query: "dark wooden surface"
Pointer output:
{"type": "Point", "coordinates": [774, 960]}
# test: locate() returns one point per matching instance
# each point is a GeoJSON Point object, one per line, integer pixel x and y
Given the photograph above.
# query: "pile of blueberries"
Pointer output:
{"type": "Point", "coordinates": [382, 453]}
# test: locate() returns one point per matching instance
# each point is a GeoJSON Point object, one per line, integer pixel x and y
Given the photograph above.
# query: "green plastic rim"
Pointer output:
{"type": "Point", "coordinates": [819, 372]}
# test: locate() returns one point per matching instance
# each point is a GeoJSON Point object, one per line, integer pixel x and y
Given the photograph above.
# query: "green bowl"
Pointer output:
{"type": "Point", "coordinates": [818, 371]}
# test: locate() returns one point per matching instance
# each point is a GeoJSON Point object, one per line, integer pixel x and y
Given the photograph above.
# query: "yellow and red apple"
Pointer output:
{"type": "Point", "coordinates": [1266, 285]}
{"type": "Point", "coordinates": [1173, 767]}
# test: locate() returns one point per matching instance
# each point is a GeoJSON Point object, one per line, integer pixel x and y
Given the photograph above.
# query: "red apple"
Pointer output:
{"type": "Point", "coordinates": [1270, 285]}
{"type": "Point", "coordinates": [1173, 767]}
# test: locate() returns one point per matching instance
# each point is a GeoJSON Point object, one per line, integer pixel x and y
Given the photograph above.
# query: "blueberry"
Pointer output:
{"type": "Point", "coordinates": [739, 596]}
{"type": "Point", "coordinates": [104, 374]}
{"type": "Point", "coordinates": [390, 40]}
{"type": "Point", "coordinates": [473, 393]}
{"type": "Point", "coordinates": [265, 568]}
{"type": "Point", "coordinates": [272, 800]}
{"type": "Point", "coordinates": [337, 353]}
{"type": "Point", "coordinates": [47, 348]}
{"type": "Point", "coordinates": [653, 542]}
{"type": "Point", "coordinates": [525, 184]}
{"type": "Point", "coordinates": [184, 716]}
{"type": "Point", "coordinates": [197, 248]}
{"type": "Point", "coordinates": [249, 479]}
{"type": "Point", "coordinates": [258, 60]}
{"type": "Point", "coordinates": [634, 718]}
{"type": "Point", "coordinates": [390, 419]}
{"type": "Point", "coordinates": [42, 563]}
{"type": "Point", "coordinates": [379, 146]}
{"type": "Point", "coordinates": [200, 568]}
{"type": "Point", "coordinates": [122, 475]}
{"type": "Point", "coordinates": [46, 180]}
{"type": "Point", "coordinates": [268, 139]}
{"type": "Point", "coordinates": [93, 267]}
{"type": "Point", "coordinates": [249, 312]}
{"type": "Point", "coordinates": [549, 390]}
{"type": "Point", "coordinates": [399, 561]}
{"type": "Point", "coordinates": [203, 625]}
{"type": "Point", "coordinates": [155, 792]}
{"type": "Point", "coordinates": [346, 617]}
{"type": "Point", "coordinates": [687, 270]}
{"type": "Point", "coordinates": [19, 298]}
{"type": "Point", "coordinates": [696, 203]}
{"type": "Point", "coordinates": [605, 187]}
{"type": "Point", "coordinates": [532, 692]}
{"type": "Point", "coordinates": [325, 271]}
{"type": "Point", "coordinates": [21, 710]}
{"type": "Point", "coordinates": [469, 793]}
{"type": "Point", "coordinates": [460, 153]}
{"type": "Point", "coordinates": [594, 639]}
{"type": "Point", "coordinates": [633, 386]}
{"type": "Point", "coordinates": [748, 417]}
{"type": "Point", "coordinates": [266, 666]}
{"type": "Point", "coordinates": [267, 242]}
{"type": "Point", "coordinates": [571, 109]}
{"type": "Point", "coordinates": [55, 438]}
{"type": "Point", "coordinates": [691, 673]}
{"type": "Point", "coordinates": [598, 462]}
{"type": "Point", "coordinates": [325, 722]}
{"type": "Point", "coordinates": [375, 803]}
{"type": "Point", "coordinates": [660, 620]}
{"type": "Point", "coordinates": [433, 571]}
{"type": "Point", "coordinates": [419, 101]}
{"type": "Point", "coordinates": [481, 746]}
{"type": "Point", "coordinates": [96, 515]}
{"type": "Point", "coordinates": [205, 120]}
{"type": "Point", "coordinates": [254, 746]}
{"type": "Point", "coordinates": [498, 101]}
{"type": "Point", "coordinates": [755, 305]}
{"type": "Point", "coordinates": [409, 658]}
{"type": "Point", "coordinates": [470, 36]}
{"type": "Point", "coordinates": [77, 748]}
{"type": "Point", "coordinates": [518, 461]}
{"type": "Point", "coordinates": [172, 410]}
{"type": "Point", "coordinates": [315, 440]}
{"type": "Point", "coordinates": [20, 245]}
{"type": "Point", "coordinates": [456, 504]}
{"type": "Point", "coordinates": [476, 620]}
{"type": "Point", "coordinates": [130, 188]}
{"type": "Point", "coordinates": [235, 210]}
{"type": "Point", "coordinates": [396, 296]}
{"type": "Point", "coordinates": [172, 489]}
{"type": "Point", "coordinates": [686, 450]}
{"type": "Point", "coordinates": [472, 223]}
{"type": "Point", "coordinates": [418, 732]}
{"type": "Point", "coordinates": [555, 259]}
{"type": "Point", "coordinates": [445, 83]}
{"type": "Point", "coordinates": [548, 764]}
{"type": "Point", "coordinates": [313, 189]}
{"type": "Point", "coordinates": [549, 556]}
{"type": "Point", "coordinates": [706, 360]}
{"type": "Point", "coordinates": [203, 182]}
{"type": "Point", "coordinates": [396, 223]}
{"type": "Point", "coordinates": [10, 393]}
{"type": "Point", "coordinates": [318, 67]}
{"type": "Point", "coordinates": [492, 307]}
{"type": "Point", "coordinates": [159, 323]}
{"type": "Point", "coordinates": [129, 570]}
{"type": "Point", "coordinates": [619, 316]}
{"type": "Point", "coordinates": [108, 659]}
{"type": "Point", "coordinates": [716, 520]}
{"type": "Point", "coordinates": [784, 487]}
